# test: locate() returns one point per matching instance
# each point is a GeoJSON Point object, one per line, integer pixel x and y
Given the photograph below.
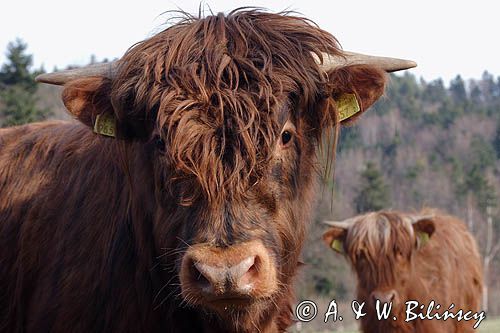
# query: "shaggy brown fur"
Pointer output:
{"type": "Point", "coordinates": [93, 229]}
{"type": "Point", "coordinates": [387, 256]}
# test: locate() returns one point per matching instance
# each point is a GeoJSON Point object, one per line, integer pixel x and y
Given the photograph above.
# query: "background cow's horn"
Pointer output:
{"type": "Point", "coordinates": [350, 58]}
{"type": "Point", "coordinates": [415, 218]}
{"type": "Point", "coordinates": [338, 224]}
{"type": "Point", "coordinates": [107, 69]}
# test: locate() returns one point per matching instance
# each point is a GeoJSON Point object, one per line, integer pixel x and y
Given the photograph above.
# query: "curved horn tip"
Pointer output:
{"type": "Point", "coordinates": [50, 78]}
{"type": "Point", "coordinates": [348, 58]}
{"type": "Point", "coordinates": [338, 224]}
{"type": "Point", "coordinates": [411, 64]}
{"type": "Point", "coordinates": [328, 222]}
{"type": "Point", "coordinates": [106, 69]}
{"type": "Point", "coordinates": [40, 78]}
{"type": "Point", "coordinates": [415, 218]}
{"type": "Point", "coordinates": [403, 65]}
{"type": "Point", "coordinates": [56, 78]}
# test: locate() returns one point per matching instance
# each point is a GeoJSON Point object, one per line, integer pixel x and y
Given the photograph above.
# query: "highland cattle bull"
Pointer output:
{"type": "Point", "coordinates": [178, 200]}
{"type": "Point", "coordinates": [402, 260]}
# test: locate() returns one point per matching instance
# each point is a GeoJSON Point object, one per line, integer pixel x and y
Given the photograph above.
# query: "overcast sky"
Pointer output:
{"type": "Point", "coordinates": [444, 37]}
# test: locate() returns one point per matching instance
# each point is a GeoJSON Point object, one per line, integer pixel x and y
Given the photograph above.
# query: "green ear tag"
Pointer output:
{"type": "Point", "coordinates": [423, 238]}
{"type": "Point", "coordinates": [347, 105]}
{"type": "Point", "coordinates": [105, 125]}
{"type": "Point", "coordinates": [337, 246]}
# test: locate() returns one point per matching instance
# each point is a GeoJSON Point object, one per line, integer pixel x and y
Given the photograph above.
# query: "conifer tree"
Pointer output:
{"type": "Point", "coordinates": [18, 88]}
{"type": "Point", "coordinates": [373, 194]}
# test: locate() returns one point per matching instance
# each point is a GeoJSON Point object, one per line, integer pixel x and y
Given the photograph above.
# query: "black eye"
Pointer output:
{"type": "Point", "coordinates": [286, 136]}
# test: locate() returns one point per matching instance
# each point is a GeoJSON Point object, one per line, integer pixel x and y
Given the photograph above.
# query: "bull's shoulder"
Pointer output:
{"type": "Point", "coordinates": [10, 136]}
{"type": "Point", "coordinates": [26, 128]}
{"type": "Point", "coordinates": [20, 142]}
{"type": "Point", "coordinates": [36, 156]}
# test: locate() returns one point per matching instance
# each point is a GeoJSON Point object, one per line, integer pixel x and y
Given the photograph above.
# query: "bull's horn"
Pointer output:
{"type": "Point", "coordinates": [350, 58]}
{"type": "Point", "coordinates": [338, 224]}
{"type": "Point", "coordinates": [329, 62]}
{"type": "Point", "coordinates": [107, 69]}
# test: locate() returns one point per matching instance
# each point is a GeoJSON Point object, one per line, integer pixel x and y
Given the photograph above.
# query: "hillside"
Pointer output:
{"type": "Point", "coordinates": [433, 146]}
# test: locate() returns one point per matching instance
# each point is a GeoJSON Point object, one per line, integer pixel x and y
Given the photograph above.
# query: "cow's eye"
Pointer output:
{"type": "Point", "coordinates": [287, 134]}
{"type": "Point", "coordinates": [286, 137]}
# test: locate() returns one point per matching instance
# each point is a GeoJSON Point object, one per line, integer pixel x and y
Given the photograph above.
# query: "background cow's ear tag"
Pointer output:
{"type": "Point", "coordinates": [337, 246]}
{"type": "Point", "coordinates": [105, 124]}
{"type": "Point", "coordinates": [347, 105]}
{"type": "Point", "coordinates": [423, 238]}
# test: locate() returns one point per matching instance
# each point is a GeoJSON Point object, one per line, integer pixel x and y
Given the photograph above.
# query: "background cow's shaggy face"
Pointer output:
{"type": "Point", "coordinates": [230, 110]}
{"type": "Point", "coordinates": [381, 247]}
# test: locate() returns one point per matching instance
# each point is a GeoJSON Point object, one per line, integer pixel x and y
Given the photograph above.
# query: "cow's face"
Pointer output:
{"type": "Point", "coordinates": [381, 247]}
{"type": "Point", "coordinates": [245, 247]}
{"type": "Point", "coordinates": [231, 113]}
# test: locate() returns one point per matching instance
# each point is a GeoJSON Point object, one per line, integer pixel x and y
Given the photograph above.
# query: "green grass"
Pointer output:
{"type": "Point", "coordinates": [490, 326]}
{"type": "Point", "coordinates": [487, 326]}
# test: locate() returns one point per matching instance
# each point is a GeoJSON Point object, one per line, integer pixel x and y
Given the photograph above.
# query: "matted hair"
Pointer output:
{"type": "Point", "coordinates": [215, 85]}
{"type": "Point", "coordinates": [378, 237]}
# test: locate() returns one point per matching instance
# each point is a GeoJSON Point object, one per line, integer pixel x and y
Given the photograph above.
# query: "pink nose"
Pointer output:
{"type": "Point", "coordinates": [385, 296]}
{"type": "Point", "coordinates": [239, 272]}
{"type": "Point", "coordinates": [237, 278]}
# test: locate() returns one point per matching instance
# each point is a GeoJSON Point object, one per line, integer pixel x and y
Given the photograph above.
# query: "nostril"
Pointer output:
{"type": "Point", "coordinates": [249, 276]}
{"type": "Point", "coordinates": [249, 273]}
{"type": "Point", "coordinates": [198, 277]}
{"type": "Point", "coordinates": [253, 269]}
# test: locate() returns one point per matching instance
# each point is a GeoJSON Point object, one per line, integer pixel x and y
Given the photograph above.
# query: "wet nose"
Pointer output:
{"type": "Point", "coordinates": [385, 296]}
{"type": "Point", "coordinates": [240, 271]}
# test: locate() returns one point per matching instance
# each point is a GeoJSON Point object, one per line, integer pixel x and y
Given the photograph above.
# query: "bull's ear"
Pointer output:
{"type": "Point", "coordinates": [424, 228]}
{"type": "Point", "coordinates": [354, 89]}
{"type": "Point", "coordinates": [88, 99]}
{"type": "Point", "coordinates": [334, 238]}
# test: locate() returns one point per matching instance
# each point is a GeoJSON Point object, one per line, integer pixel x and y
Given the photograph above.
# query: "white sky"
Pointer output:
{"type": "Point", "coordinates": [444, 37]}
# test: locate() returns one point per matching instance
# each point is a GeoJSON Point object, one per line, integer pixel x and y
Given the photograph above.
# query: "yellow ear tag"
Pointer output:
{"type": "Point", "coordinates": [423, 238]}
{"type": "Point", "coordinates": [105, 125]}
{"type": "Point", "coordinates": [347, 105]}
{"type": "Point", "coordinates": [337, 246]}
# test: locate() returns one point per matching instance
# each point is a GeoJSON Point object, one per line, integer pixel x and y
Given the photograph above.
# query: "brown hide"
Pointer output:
{"type": "Point", "coordinates": [93, 229]}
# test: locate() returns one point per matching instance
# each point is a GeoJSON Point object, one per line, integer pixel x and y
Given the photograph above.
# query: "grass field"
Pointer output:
{"type": "Point", "coordinates": [488, 326]}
